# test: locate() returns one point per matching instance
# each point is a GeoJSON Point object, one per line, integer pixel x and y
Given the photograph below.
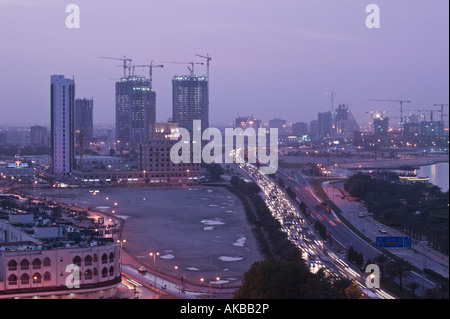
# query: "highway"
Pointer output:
{"type": "Point", "coordinates": [301, 232]}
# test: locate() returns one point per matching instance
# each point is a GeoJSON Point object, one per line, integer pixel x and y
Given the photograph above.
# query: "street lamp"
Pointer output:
{"type": "Point", "coordinates": [203, 279]}
{"type": "Point", "coordinates": [154, 265]}
{"type": "Point", "coordinates": [121, 242]}
{"type": "Point", "coordinates": [178, 274]}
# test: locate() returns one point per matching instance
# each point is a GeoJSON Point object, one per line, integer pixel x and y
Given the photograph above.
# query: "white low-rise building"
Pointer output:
{"type": "Point", "coordinates": [28, 270]}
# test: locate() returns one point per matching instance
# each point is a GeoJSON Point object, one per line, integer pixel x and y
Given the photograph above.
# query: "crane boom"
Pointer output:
{"type": "Point", "coordinates": [150, 67]}
{"type": "Point", "coordinates": [191, 63]}
{"type": "Point", "coordinates": [401, 107]}
{"type": "Point", "coordinates": [124, 59]}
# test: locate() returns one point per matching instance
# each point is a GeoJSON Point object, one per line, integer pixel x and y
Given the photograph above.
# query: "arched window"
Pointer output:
{"type": "Point", "coordinates": [47, 276]}
{"type": "Point", "coordinates": [24, 264]}
{"type": "Point", "coordinates": [111, 257]}
{"type": "Point", "coordinates": [37, 263]}
{"type": "Point", "coordinates": [47, 262]}
{"type": "Point", "coordinates": [25, 279]}
{"type": "Point", "coordinates": [12, 265]}
{"type": "Point", "coordinates": [88, 274]}
{"type": "Point", "coordinates": [88, 260]}
{"type": "Point", "coordinates": [104, 272]}
{"type": "Point", "coordinates": [111, 271]}
{"type": "Point", "coordinates": [104, 259]}
{"type": "Point", "coordinates": [36, 278]}
{"type": "Point", "coordinates": [77, 261]}
{"type": "Point", "coordinates": [12, 280]}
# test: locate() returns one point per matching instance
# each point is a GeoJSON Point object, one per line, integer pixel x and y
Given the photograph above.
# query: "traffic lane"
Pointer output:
{"type": "Point", "coordinates": [371, 228]}
{"type": "Point", "coordinates": [320, 252]}
{"type": "Point", "coordinates": [340, 232]}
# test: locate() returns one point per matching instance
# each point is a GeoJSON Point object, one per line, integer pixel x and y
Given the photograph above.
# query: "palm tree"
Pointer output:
{"type": "Point", "coordinates": [413, 287]}
{"type": "Point", "coordinates": [381, 261]}
{"type": "Point", "coordinates": [399, 268]}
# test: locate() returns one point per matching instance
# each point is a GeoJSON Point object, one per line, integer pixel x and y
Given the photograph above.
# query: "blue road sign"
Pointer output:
{"type": "Point", "coordinates": [393, 242]}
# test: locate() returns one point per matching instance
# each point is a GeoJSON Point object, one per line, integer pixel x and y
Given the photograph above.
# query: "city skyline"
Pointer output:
{"type": "Point", "coordinates": [295, 52]}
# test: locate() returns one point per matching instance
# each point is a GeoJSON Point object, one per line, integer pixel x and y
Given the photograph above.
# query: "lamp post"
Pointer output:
{"type": "Point", "coordinates": [35, 280]}
{"type": "Point", "coordinates": [178, 274]}
{"type": "Point", "coordinates": [203, 279]}
{"type": "Point", "coordinates": [154, 265]}
{"type": "Point", "coordinates": [121, 242]}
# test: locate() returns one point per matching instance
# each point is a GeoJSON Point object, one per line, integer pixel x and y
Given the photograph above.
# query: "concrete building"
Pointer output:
{"type": "Point", "coordinates": [159, 170]}
{"type": "Point", "coordinates": [32, 268]}
{"type": "Point", "coordinates": [84, 117]}
{"type": "Point", "coordinates": [39, 136]}
{"type": "Point", "coordinates": [280, 125]}
{"type": "Point", "coordinates": [325, 124]}
{"type": "Point", "coordinates": [299, 129]}
{"type": "Point", "coordinates": [380, 126]}
{"type": "Point", "coordinates": [135, 111]}
{"type": "Point", "coordinates": [247, 121]}
{"type": "Point", "coordinates": [344, 124]}
{"type": "Point", "coordinates": [190, 101]}
{"type": "Point", "coordinates": [62, 99]}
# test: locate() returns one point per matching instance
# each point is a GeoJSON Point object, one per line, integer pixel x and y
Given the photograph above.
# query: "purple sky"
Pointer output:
{"type": "Point", "coordinates": [272, 58]}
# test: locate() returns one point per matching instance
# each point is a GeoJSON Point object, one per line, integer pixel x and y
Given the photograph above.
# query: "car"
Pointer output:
{"type": "Point", "coordinates": [361, 215]}
{"type": "Point", "coordinates": [382, 230]}
{"type": "Point", "coordinates": [142, 269]}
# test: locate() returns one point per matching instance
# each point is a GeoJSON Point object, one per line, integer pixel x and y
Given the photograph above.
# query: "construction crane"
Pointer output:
{"type": "Point", "coordinates": [332, 93]}
{"type": "Point", "coordinates": [124, 59]}
{"type": "Point", "coordinates": [401, 107]}
{"type": "Point", "coordinates": [191, 63]}
{"type": "Point", "coordinates": [248, 120]}
{"type": "Point", "coordinates": [208, 58]}
{"type": "Point", "coordinates": [371, 112]}
{"type": "Point", "coordinates": [424, 111]}
{"type": "Point", "coordinates": [150, 67]}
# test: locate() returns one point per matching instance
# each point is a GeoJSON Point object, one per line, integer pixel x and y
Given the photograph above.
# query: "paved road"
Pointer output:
{"type": "Point", "coordinates": [420, 255]}
{"type": "Point", "coordinates": [340, 233]}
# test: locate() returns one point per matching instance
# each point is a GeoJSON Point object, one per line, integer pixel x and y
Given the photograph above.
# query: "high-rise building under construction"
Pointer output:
{"type": "Point", "coordinates": [135, 111]}
{"type": "Point", "coordinates": [190, 101]}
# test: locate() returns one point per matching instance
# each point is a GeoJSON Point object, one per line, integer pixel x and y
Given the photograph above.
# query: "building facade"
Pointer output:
{"type": "Point", "coordinates": [62, 99]}
{"type": "Point", "coordinates": [135, 111]}
{"type": "Point", "coordinates": [29, 271]}
{"type": "Point", "coordinates": [190, 101]}
{"type": "Point", "coordinates": [84, 117]}
{"type": "Point", "coordinates": [39, 136]}
{"type": "Point", "coordinates": [325, 124]}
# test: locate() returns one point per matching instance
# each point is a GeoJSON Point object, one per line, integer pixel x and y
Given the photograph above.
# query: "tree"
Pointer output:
{"type": "Point", "coordinates": [381, 261]}
{"type": "Point", "coordinates": [399, 268]}
{"type": "Point", "coordinates": [359, 260]}
{"type": "Point", "coordinates": [353, 292]}
{"type": "Point", "coordinates": [413, 286]}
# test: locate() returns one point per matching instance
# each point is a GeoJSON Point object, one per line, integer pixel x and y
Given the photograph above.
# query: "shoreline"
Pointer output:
{"type": "Point", "coordinates": [404, 166]}
{"type": "Point", "coordinates": [406, 161]}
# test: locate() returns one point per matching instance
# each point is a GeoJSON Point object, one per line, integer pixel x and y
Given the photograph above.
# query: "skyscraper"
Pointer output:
{"type": "Point", "coordinates": [135, 111]}
{"type": "Point", "coordinates": [278, 124]}
{"type": "Point", "coordinates": [325, 122]}
{"type": "Point", "coordinates": [83, 116]}
{"type": "Point", "coordinates": [190, 101]}
{"type": "Point", "coordinates": [381, 126]}
{"type": "Point", "coordinates": [62, 99]}
{"type": "Point", "coordinates": [38, 135]}
{"type": "Point", "coordinates": [300, 129]}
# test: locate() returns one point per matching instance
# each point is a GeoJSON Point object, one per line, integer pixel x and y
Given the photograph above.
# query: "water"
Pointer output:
{"type": "Point", "coordinates": [438, 174]}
